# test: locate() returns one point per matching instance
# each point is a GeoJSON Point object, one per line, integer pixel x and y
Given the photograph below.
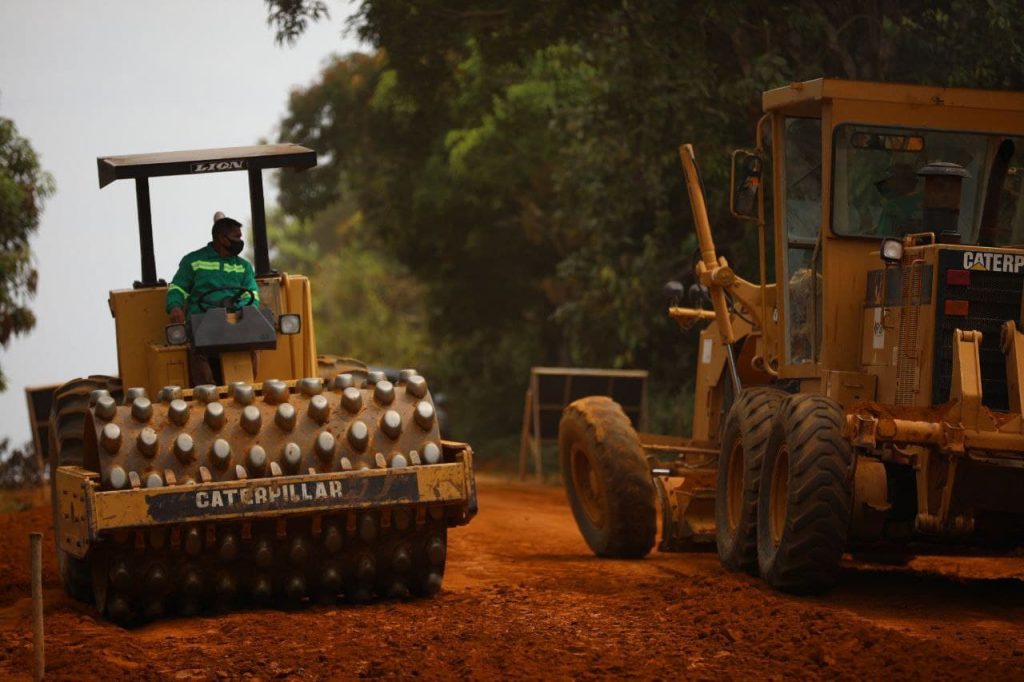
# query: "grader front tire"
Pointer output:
{"type": "Point", "coordinates": [744, 441]}
{"type": "Point", "coordinates": [607, 479]}
{"type": "Point", "coordinates": [805, 498]}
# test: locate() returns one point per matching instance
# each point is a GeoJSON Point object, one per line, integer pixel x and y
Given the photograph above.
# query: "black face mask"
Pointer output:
{"type": "Point", "coordinates": [235, 248]}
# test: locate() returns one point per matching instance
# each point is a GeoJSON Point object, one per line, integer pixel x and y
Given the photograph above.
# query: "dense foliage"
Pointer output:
{"type": "Point", "coordinates": [19, 466]}
{"type": "Point", "coordinates": [516, 163]}
{"type": "Point", "coordinates": [23, 187]}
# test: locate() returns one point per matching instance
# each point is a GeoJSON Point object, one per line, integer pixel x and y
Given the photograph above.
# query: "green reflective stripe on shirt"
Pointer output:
{"type": "Point", "coordinates": [203, 271]}
{"type": "Point", "coordinates": [175, 287]}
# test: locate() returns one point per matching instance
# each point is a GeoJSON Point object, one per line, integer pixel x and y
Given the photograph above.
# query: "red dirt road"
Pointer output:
{"type": "Point", "coordinates": [524, 598]}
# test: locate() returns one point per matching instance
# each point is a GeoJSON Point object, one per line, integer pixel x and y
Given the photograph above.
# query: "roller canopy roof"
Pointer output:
{"type": "Point", "coordinates": [198, 161]}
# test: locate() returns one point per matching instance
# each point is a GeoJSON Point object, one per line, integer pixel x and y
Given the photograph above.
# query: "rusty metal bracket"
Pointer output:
{"type": "Point", "coordinates": [953, 437]}
{"type": "Point", "coordinates": [966, 385]}
{"type": "Point", "coordinates": [688, 510]}
{"type": "Point", "coordinates": [863, 430]}
{"type": "Point", "coordinates": [1012, 344]}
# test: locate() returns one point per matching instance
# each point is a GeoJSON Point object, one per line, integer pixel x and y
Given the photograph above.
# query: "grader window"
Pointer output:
{"type": "Point", "coordinates": [802, 182]}
{"type": "Point", "coordinates": [1002, 221]}
{"type": "Point", "coordinates": [802, 171]}
{"type": "Point", "coordinates": [877, 191]}
{"type": "Point", "coordinates": [887, 142]}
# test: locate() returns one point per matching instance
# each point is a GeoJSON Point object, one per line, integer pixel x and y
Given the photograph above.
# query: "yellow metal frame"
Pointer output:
{"type": "Point", "coordinates": [842, 259]}
{"type": "Point", "coordinates": [86, 512]}
{"type": "Point", "coordinates": [964, 426]}
{"type": "Point", "coordinates": [144, 358]}
{"type": "Point", "coordinates": [753, 301]}
{"type": "Point", "coordinates": [838, 102]}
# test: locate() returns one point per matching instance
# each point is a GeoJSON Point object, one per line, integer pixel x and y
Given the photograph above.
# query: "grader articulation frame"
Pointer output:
{"type": "Point", "coordinates": [326, 481]}
{"type": "Point", "coordinates": [869, 400]}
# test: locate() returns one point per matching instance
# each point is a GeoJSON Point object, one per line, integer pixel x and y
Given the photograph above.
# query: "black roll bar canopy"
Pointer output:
{"type": "Point", "coordinates": [253, 160]}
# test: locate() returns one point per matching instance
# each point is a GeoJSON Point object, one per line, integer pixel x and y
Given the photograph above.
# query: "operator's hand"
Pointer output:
{"type": "Point", "coordinates": [177, 315]}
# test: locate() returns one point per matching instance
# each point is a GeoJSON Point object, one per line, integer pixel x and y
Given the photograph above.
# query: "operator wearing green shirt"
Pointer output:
{"type": "Point", "coordinates": [202, 275]}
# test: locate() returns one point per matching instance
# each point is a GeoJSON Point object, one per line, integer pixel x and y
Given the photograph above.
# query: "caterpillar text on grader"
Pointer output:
{"type": "Point", "coordinates": [316, 478]}
{"type": "Point", "coordinates": [869, 400]}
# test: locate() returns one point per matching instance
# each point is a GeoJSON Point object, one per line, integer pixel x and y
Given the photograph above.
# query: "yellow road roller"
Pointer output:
{"type": "Point", "coordinates": [295, 478]}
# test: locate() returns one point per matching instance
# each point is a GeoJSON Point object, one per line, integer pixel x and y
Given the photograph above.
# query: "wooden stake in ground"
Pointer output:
{"type": "Point", "coordinates": [36, 551]}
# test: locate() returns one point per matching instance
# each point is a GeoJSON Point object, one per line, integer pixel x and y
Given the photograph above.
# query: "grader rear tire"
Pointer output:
{"type": "Point", "coordinates": [607, 479]}
{"type": "Point", "coordinates": [67, 434]}
{"type": "Point", "coordinates": [805, 498]}
{"type": "Point", "coordinates": [744, 440]}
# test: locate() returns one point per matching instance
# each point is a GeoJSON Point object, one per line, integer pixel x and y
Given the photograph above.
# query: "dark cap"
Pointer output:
{"type": "Point", "coordinates": [222, 224]}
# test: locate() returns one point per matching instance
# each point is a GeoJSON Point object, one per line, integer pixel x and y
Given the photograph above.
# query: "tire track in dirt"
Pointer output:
{"type": "Point", "coordinates": [524, 598]}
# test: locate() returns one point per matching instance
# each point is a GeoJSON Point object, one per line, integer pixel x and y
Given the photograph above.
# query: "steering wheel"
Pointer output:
{"type": "Point", "coordinates": [239, 296]}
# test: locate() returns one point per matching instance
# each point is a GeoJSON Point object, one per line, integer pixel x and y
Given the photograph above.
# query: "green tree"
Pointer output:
{"type": "Point", "coordinates": [20, 467]}
{"type": "Point", "coordinates": [23, 188]}
{"type": "Point", "coordinates": [521, 159]}
{"type": "Point", "coordinates": [365, 303]}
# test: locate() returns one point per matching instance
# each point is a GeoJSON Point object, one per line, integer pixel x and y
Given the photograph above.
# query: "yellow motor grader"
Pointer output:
{"type": "Point", "coordinates": [868, 400]}
{"type": "Point", "coordinates": [297, 477]}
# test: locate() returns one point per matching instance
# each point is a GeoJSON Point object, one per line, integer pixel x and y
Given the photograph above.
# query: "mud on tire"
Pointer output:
{"type": "Point", "coordinates": [745, 437]}
{"type": "Point", "coordinates": [607, 479]}
{"type": "Point", "coordinates": [805, 497]}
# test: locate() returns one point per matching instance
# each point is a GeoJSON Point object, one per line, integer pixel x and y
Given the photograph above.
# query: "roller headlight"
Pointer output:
{"type": "Point", "coordinates": [289, 324]}
{"type": "Point", "coordinates": [892, 251]}
{"type": "Point", "coordinates": [175, 334]}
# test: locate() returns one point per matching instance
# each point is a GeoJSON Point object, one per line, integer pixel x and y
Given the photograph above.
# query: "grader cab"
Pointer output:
{"type": "Point", "coordinates": [298, 477]}
{"type": "Point", "coordinates": [869, 399]}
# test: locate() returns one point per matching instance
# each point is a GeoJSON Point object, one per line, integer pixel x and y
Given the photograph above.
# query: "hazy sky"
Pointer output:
{"type": "Point", "coordinates": [88, 79]}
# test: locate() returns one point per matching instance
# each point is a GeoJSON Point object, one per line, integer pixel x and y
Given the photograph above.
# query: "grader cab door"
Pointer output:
{"type": "Point", "coordinates": [798, 172]}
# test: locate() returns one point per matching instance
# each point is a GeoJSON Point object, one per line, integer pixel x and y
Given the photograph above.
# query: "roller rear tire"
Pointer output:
{"type": "Point", "coordinates": [67, 439]}
{"type": "Point", "coordinates": [607, 479]}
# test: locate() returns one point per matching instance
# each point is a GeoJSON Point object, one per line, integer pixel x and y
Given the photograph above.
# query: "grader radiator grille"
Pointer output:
{"type": "Point", "coordinates": [991, 299]}
{"type": "Point", "coordinates": [907, 367]}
